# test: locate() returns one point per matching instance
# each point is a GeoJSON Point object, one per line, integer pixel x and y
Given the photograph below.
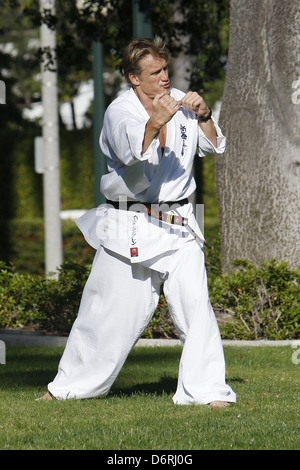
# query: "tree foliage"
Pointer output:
{"type": "Point", "coordinates": [79, 23]}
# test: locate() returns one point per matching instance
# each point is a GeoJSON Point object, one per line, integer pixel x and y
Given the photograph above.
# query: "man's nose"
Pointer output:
{"type": "Point", "coordinates": [165, 75]}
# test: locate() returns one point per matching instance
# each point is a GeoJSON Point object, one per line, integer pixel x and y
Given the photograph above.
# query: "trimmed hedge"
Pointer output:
{"type": "Point", "coordinates": [50, 305]}
{"type": "Point", "coordinates": [258, 302]}
{"type": "Point", "coordinates": [22, 244]}
{"type": "Point", "coordinates": [32, 301]}
{"type": "Point", "coordinates": [261, 302]}
{"type": "Point", "coordinates": [21, 188]}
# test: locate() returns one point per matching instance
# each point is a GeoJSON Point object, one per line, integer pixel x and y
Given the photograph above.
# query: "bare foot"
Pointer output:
{"type": "Point", "coordinates": [218, 404]}
{"type": "Point", "coordinates": [48, 396]}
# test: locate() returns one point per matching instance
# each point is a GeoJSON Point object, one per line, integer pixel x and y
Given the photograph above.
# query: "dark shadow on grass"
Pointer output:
{"type": "Point", "coordinates": [28, 367]}
{"type": "Point", "coordinates": [165, 385]}
{"type": "Point", "coordinates": [235, 380]}
{"type": "Point", "coordinates": [36, 367]}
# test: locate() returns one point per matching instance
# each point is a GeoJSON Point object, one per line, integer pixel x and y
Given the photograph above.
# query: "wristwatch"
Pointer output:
{"type": "Point", "coordinates": [206, 118]}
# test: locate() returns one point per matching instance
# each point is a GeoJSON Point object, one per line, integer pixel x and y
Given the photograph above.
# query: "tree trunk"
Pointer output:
{"type": "Point", "coordinates": [258, 177]}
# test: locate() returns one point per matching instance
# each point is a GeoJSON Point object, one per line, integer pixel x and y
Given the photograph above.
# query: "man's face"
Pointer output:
{"type": "Point", "coordinates": [154, 78]}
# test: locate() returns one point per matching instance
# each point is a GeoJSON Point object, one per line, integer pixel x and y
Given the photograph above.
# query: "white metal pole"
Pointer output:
{"type": "Point", "coordinates": [52, 222]}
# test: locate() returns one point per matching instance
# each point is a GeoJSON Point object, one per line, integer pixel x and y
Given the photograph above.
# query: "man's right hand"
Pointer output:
{"type": "Point", "coordinates": [164, 108]}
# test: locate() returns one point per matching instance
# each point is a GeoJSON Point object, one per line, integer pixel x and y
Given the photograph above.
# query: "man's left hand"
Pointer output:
{"type": "Point", "coordinates": [195, 102]}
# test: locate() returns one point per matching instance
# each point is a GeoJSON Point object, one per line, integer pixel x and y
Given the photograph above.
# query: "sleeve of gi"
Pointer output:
{"type": "Point", "coordinates": [206, 147]}
{"type": "Point", "coordinates": [122, 138]}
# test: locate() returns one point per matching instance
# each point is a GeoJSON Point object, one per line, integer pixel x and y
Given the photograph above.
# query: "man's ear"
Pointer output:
{"type": "Point", "coordinates": [134, 79]}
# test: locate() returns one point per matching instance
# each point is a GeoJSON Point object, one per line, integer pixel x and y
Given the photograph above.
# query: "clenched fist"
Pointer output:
{"type": "Point", "coordinates": [164, 108]}
{"type": "Point", "coordinates": [196, 103]}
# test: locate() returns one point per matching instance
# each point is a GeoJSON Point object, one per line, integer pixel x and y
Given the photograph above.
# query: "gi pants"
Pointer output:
{"type": "Point", "coordinates": [118, 302]}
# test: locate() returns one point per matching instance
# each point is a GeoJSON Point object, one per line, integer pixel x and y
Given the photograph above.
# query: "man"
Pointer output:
{"type": "Point", "coordinates": [150, 136]}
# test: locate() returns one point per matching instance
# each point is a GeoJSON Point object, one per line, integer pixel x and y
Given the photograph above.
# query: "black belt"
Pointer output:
{"type": "Point", "coordinates": [126, 205]}
{"type": "Point", "coordinates": [162, 216]}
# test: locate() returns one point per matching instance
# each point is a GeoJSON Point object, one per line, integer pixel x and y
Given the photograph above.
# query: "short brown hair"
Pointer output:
{"type": "Point", "coordinates": [140, 48]}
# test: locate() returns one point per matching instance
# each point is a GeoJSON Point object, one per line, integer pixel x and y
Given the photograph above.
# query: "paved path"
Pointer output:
{"type": "Point", "coordinates": [29, 338]}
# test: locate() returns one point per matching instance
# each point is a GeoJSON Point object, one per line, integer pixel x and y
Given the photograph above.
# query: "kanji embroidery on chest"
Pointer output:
{"type": "Point", "coordinates": [184, 138]}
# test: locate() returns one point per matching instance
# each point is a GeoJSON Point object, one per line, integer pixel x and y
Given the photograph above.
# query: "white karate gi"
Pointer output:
{"type": "Point", "coordinates": [136, 253]}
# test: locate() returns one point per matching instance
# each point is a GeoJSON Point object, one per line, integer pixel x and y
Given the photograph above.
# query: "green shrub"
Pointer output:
{"type": "Point", "coordinates": [22, 244]}
{"type": "Point", "coordinates": [58, 300]}
{"type": "Point", "coordinates": [161, 325]}
{"type": "Point", "coordinates": [52, 305]}
{"type": "Point", "coordinates": [17, 297]}
{"type": "Point", "coordinates": [263, 302]}
{"type": "Point", "coordinates": [44, 304]}
{"type": "Point", "coordinates": [21, 188]}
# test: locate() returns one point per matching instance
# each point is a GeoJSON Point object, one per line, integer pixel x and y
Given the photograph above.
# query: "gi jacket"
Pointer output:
{"type": "Point", "coordinates": [151, 177]}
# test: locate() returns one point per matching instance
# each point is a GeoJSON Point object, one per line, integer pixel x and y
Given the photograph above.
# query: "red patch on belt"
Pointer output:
{"type": "Point", "coordinates": [177, 220]}
{"type": "Point", "coordinates": [134, 252]}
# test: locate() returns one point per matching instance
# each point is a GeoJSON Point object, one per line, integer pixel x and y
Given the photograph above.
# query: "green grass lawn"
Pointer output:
{"type": "Point", "coordinates": [139, 414]}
